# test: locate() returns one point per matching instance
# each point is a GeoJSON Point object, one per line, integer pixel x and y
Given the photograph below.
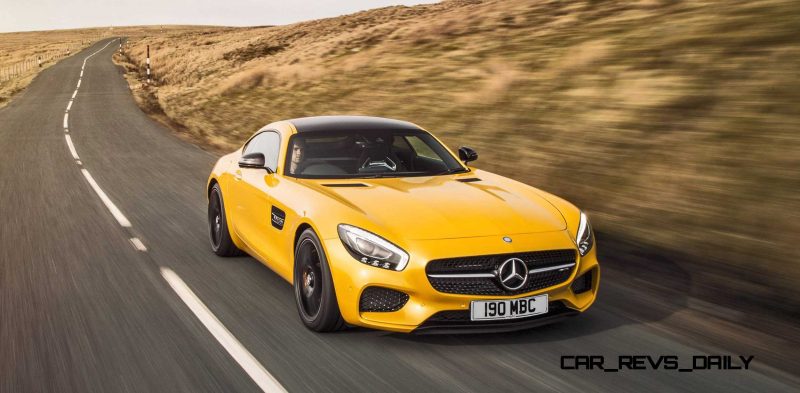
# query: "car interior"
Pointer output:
{"type": "Point", "coordinates": [367, 154]}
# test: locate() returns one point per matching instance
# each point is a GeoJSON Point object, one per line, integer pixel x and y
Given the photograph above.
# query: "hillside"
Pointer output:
{"type": "Point", "coordinates": [674, 123]}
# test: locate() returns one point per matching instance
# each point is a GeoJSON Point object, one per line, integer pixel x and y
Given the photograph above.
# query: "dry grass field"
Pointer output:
{"type": "Point", "coordinates": [676, 124]}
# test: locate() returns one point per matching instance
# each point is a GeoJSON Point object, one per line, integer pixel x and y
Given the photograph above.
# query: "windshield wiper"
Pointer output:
{"type": "Point", "coordinates": [385, 174]}
{"type": "Point", "coordinates": [414, 173]}
{"type": "Point", "coordinates": [451, 171]}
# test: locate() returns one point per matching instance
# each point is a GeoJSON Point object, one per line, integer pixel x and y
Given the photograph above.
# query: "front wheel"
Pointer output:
{"type": "Point", "coordinates": [221, 242]}
{"type": "Point", "coordinates": [313, 286]}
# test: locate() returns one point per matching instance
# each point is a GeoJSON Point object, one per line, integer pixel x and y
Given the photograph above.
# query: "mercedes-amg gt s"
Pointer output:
{"type": "Point", "coordinates": [376, 223]}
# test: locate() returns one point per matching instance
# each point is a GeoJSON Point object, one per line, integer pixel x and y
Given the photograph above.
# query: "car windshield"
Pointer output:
{"type": "Point", "coordinates": [368, 154]}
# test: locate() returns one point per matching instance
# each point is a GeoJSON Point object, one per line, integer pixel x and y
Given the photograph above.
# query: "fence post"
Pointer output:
{"type": "Point", "coordinates": [40, 61]}
{"type": "Point", "coordinates": [148, 64]}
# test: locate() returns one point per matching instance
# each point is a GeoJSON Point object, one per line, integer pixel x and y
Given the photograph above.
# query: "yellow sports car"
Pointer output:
{"type": "Point", "coordinates": [376, 223]}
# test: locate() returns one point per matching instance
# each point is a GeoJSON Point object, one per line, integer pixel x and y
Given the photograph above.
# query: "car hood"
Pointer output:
{"type": "Point", "coordinates": [446, 207]}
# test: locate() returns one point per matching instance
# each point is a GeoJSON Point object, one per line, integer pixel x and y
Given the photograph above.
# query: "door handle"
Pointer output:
{"type": "Point", "coordinates": [237, 175]}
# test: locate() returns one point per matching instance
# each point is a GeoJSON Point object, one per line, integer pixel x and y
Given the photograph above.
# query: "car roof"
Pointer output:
{"type": "Point", "coordinates": [349, 123]}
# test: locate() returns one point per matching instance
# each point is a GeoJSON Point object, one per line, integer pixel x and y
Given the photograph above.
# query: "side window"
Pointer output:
{"type": "Point", "coordinates": [268, 144]}
{"type": "Point", "coordinates": [421, 148]}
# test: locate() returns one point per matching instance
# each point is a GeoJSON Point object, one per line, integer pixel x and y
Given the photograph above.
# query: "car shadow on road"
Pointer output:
{"type": "Point", "coordinates": [640, 284]}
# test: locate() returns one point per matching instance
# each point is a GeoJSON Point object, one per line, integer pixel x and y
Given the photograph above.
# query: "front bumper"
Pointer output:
{"type": "Point", "coordinates": [419, 314]}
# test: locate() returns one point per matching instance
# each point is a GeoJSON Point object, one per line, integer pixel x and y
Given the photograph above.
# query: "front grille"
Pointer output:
{"type": "Point", "coordinates": [490, 263]}
{"type": "Point", "coordinates": [378, 299]}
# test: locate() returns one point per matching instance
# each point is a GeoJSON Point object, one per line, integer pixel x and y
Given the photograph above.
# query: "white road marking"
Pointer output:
{"type": "Point", "coordinates": [66, 120]}
{"type": "Point", "coordinates": [74, 94]}
{"type": "Point", "coordinates": [79, 85]}
{"type": "Point", "coordinates": [251, 366]}
{"type": "Point", "coordinates": [69, 106]}
{"type": "Point", "coordinates": [121, 219]}
{"type": "Point", "coordinates": [137, 244]}
{"type": "Point", "coordinates": [79, 162]}
{"type": "Point", "coordinates": [81, 72]}
{"type": "Point", "coordinates": [71, 147]}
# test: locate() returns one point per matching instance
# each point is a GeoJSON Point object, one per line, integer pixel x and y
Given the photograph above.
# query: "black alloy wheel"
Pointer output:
{"type": "Point", "coordinates": [313, 286]}
{"type": "Point", "coordinates": [221, 242]}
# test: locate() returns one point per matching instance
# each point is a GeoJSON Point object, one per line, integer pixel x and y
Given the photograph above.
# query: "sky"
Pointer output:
{"type": "Point", "coordinates": [27, 15]}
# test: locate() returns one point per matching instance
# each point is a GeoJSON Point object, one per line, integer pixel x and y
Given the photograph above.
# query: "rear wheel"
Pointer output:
{"type": "Point", "coordinates": [221, 242]}
{"type": "Point", "coordinates": [313, 286]}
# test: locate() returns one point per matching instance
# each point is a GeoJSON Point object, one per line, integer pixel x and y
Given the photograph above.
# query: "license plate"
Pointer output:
{"type": "Point", "coordinates": [481, 310]}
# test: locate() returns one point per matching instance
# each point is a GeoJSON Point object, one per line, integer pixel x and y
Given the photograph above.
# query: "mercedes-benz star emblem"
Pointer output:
{"type": "Point", "coordinates": [513, 274]}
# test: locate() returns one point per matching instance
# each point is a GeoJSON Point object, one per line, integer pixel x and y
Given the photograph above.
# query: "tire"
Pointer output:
{"type": "Point", "coordinates": [314, 293]}
{"type": "Point", "coordinates": [220, 236]}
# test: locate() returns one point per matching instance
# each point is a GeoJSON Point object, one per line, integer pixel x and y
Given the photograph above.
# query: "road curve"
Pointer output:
{"type": "Point", "coordinates": [90, 304]}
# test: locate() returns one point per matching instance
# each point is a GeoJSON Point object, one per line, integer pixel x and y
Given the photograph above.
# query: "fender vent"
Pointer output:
{"type": "Point", "coordinates": [469, 180]}
{"type": "Point", "coordinates": [345, 185]}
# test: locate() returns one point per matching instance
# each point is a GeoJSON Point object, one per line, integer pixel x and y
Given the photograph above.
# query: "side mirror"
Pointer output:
{"type": "Point", "coordinates": [466, 154]}
{"type": "Point", "coordinates": [254, 160]}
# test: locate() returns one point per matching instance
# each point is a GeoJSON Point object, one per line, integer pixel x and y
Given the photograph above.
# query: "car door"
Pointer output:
{"type": "Point", "coordinates": [252, 186]}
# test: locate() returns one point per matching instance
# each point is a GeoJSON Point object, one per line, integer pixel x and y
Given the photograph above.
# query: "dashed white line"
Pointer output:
{"type": "Point", "coordinates": [121, 219]}
{"type": "Point", "coordinates": [251, 366]}
{"type": "Point", "coordinates": [74, 94]}
{"type": "Point", "coordinates": [66, 120]}
{"type": "Point", "coordinates": [69, 106]}
{"type": "Point", "coordinates": [71, 147]}
{"type": "Point", "coordinates": [81, 72]}
{"type": "Point", "coordinates": [79, 84]}
{"type": "Point", "coordinates": [137, 244]}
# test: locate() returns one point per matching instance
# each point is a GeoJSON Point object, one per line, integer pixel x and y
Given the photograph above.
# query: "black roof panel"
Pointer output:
{"type": "Point", "coordinates": [349, 123]}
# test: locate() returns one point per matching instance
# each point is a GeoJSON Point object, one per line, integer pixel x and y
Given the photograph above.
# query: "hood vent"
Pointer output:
{"type": "Point", "coordinates": [345, 185]}
{"type": "Point", "coordinates": [469, 180]}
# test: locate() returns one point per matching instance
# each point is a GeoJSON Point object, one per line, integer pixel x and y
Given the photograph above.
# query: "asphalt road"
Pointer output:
{"type": "Point", "coordinates": [81, 309]}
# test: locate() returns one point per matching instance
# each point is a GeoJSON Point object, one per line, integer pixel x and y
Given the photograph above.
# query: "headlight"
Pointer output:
{"type": "Point", "coordinates": [584, 238]}
{"type": "Point", "coordinates": [372, 249]}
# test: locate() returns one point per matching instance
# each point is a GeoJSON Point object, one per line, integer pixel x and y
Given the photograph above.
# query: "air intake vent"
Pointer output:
{"type": "Point", "coordinates": [345, 185]}
{"type": "Point", "coordinates": [469, 180]}
{"type": "Point", "coordinates": [583, 283]}
{"type": "Point", "coordinates": [378, 299]}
